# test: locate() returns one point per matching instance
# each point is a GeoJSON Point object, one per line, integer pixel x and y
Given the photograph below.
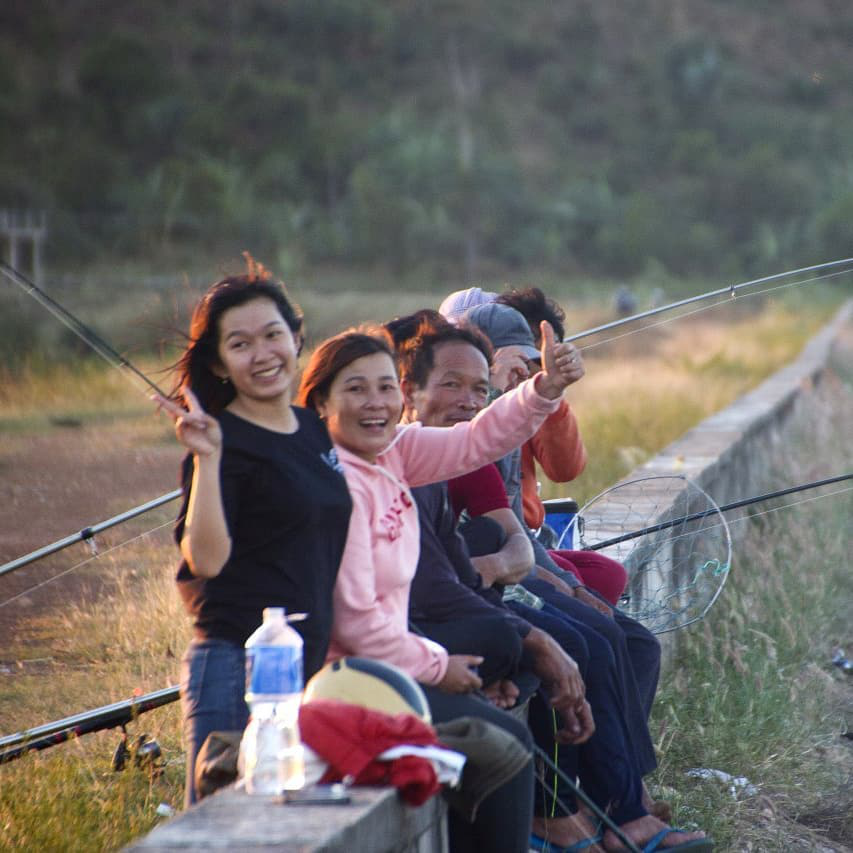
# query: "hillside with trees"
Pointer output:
{"type": "Point", "coordinates": [707, 137]}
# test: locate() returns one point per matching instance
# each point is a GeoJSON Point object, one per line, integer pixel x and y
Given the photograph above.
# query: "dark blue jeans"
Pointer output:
{"type": "Point", "coordinates": [605, 763]}
{"type": "Point", "coordinates": [637, 655]}
{"type": "Point", "coordinates": [213, 681]}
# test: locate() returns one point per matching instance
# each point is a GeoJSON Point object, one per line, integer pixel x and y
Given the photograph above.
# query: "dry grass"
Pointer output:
{"type": "Point", "coordinates": [753, 692]}
{"type": "Point", "coordinates": [126, 635]}
{"type": "Point", "coordinates": [37, 393]}
{"type": "Point", "coordinates": [642, 392]}
{"type": "Point", "coordinates": [126, 643]}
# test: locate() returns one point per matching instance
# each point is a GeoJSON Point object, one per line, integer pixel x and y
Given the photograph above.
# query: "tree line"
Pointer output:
{"type": "Point", "coordinates": [711, 137]}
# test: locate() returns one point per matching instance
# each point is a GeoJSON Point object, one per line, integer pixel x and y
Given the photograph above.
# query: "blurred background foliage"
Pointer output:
{"type": "Point", "coordinates": [467, 139]}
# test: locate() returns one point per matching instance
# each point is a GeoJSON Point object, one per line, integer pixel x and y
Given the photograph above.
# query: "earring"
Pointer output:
{"type": "Point", "coordinates": [224, 380]}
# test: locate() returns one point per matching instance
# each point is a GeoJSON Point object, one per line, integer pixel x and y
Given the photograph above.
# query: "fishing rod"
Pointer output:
{"type": "Point", "coordinates": [579, 792]}
{"type": "Point", "coordinates": [84, 332]}
{"type": "Point", "coordinates": [665, 525]}
{"type": "Point", "coordinates": [87, 533]}
{"type": "Point", "coordinates": [731, 290]}
{"type": "Point", "coordinates": [107, 717]}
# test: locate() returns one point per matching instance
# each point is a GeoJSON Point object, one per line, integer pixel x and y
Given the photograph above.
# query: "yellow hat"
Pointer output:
{"type": "Point", "coordinates": [370, 683]}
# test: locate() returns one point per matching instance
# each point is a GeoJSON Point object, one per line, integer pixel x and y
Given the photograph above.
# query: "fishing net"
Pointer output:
{"type": "Point", "coordinates": [673, 541]}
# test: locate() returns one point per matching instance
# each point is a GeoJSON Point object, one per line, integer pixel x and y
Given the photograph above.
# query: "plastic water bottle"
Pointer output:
{"type": "Point", "coordinates": [273, 756]}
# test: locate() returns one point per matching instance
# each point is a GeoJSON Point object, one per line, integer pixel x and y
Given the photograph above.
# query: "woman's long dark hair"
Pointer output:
{"type": "Point", "coordinates": [332, 356]}
{"type": "Point", "coordinates": [194, 368]}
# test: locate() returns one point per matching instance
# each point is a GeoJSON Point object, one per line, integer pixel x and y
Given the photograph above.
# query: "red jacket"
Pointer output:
{"type": "Point", "coordinates": [350, 737]}
{"type": "Point", "coordinates": [558, 448]}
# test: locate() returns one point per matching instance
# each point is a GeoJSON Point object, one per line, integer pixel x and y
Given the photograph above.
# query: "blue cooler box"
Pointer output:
{"type": "Point", "coordinates": [561, 515]}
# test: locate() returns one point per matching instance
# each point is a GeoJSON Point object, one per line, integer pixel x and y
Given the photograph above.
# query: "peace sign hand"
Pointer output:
{"type": "Point", "coordinates": [561, 364]}
{"type": "Point", "coordinates": [196, 430]}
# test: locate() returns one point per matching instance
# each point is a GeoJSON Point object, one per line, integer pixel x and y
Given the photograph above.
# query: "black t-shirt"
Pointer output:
{"type": "Point", "coordinates": [287, 508]}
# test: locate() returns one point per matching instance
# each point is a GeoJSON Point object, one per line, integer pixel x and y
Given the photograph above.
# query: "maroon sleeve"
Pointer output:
{"type": "Point", "coordinates": [479, 492]}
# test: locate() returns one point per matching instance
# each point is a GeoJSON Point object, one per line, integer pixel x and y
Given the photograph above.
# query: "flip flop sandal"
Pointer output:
{"type": "Point", "coordinates": [653, 845]}
{"type": "Point", "coordinates": [544, 846]}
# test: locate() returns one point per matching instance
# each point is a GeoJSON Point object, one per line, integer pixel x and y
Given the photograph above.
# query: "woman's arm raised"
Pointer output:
{"type": "Point", "coordinates": [205, 544]}
{"type": "Point", "coordinates": [430, 454]}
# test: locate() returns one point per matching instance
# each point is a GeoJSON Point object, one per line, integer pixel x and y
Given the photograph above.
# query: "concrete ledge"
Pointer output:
{"type": "Point", "coordinates": [376, 820]}
{"type": "Point", "coordinates": [733, 454]}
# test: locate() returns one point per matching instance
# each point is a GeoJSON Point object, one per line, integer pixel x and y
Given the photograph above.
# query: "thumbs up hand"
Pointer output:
{"type": "Point", "coordinates": [561, 364]}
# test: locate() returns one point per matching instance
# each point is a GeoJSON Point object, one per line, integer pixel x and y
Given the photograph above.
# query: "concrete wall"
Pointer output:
{"type": "Point", "coordinates": [376, 821]}
{"type": "Point", "coordinates": [734, 454]}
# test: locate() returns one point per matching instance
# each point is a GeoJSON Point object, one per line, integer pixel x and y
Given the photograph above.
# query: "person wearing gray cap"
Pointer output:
{"type": "Point", "coordinates": [634, 645]}
{"type": "Point", "coordinates": [510, 336]}
{"type": "Point", "coordinates": [559, 450]}
{"type": "Point", "coordinates": [454, 306]}
{"type": "Point", "coordinates": [515, 349]}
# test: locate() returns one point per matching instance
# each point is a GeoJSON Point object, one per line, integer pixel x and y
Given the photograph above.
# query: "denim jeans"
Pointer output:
{"type": "Point", "coordinates": [213, 681]}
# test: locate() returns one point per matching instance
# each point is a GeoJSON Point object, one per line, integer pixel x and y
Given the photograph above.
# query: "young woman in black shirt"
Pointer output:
{"type": "Point", "coordinates": [266, 506]}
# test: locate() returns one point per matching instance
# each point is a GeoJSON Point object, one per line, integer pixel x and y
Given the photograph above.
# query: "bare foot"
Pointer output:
{"type": "Point", "coordinates": [642, 830]}
{"type": "Point", "coordinates": [563, 831]}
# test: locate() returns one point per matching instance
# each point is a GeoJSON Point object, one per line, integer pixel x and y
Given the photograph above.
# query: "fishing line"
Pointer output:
{"type": "Point", "coordinates": [696, 311]}
{"type": "Point", "coordinates": [581, 794]}
{"type": "Point", "coordinates": [86, 561]}
{"type": "Point", "coordinates": [698, 516]}
{"type": "Point", "coordinates": [86, 334]}
{"type": "Point", "coordinates": [730, 290]}
{"type": "Point", "coordinates": [762, 512]}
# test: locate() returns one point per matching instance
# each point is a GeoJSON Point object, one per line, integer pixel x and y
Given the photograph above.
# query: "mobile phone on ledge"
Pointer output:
{"type": "Point", "coordinates": [317, 795]}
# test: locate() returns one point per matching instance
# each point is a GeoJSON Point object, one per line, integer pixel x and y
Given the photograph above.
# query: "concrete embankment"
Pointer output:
{"type": "Point", "coordinates": [734, 454]}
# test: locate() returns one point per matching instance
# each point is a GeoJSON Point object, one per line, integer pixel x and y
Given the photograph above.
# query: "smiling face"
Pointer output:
{"type": "Point", "coordinates": [364, 405]}
{"type": "Point", "coordinates": [257, 352]}
{"type": "Point", "coordinates": [456, 388]}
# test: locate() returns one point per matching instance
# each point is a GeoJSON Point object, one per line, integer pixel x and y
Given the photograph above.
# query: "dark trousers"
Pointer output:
{"type": "Point", "coordinates": [636, 652]}
{"type": "Point", "coordinates": [620, 663]}
{"type": "Point", "coordinates": [491, 637]}
{"type": "Point", "coordinates": [213, 681]}
{"type": "Point", "coordinates": [605, 764]}
{"type": "Point", "coordinates": [504, 817]}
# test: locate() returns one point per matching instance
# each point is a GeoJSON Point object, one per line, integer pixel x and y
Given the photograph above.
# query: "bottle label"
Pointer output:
{"type": "Point", "coordinates": [273, 670]}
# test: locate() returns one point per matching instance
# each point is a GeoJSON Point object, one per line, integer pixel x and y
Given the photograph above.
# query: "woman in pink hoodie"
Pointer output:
{"type": "Point", "coordinates": [351, 382]}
